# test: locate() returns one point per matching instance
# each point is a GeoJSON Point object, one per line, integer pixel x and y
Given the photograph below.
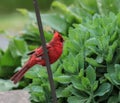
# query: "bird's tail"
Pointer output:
{"type": "Point", "coordinates": [18, 76]}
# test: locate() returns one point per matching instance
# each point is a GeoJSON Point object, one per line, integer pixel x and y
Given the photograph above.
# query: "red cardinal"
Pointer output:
{"type": "Point", "coordinates": [54, 48]}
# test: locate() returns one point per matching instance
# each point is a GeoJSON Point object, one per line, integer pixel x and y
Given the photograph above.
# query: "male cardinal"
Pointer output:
{"type": "Point", "coordinates": [54, 49]}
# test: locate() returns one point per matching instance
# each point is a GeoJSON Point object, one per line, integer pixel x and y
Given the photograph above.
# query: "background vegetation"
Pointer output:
{"type": "Point", "coordinates": [7, 6]}
{"type": "Point", "coordinates": [89, 68]}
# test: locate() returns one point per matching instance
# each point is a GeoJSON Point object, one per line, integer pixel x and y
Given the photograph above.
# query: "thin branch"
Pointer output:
{"type": "Point", "coordinates": [37, 10]}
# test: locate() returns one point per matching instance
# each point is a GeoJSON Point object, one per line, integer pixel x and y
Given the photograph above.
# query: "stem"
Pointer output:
{"type": "Point", "coordinates": [54, 97]}
{"type": "Point", "coordinates": [92, 98]}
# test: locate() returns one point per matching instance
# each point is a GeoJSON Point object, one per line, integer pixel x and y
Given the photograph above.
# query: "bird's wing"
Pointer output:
{"type": "Point", "coordinates": [39, 51]}
{"type": "Point", "coordinates": [31, 52]}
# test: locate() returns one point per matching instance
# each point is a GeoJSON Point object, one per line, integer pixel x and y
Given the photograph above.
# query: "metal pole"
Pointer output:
{"type": "Point", "coordinates": [50, 76]}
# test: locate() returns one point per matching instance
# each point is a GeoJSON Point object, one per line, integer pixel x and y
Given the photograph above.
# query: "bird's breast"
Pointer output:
{"type": "Point", "coordinates": [55, 53]}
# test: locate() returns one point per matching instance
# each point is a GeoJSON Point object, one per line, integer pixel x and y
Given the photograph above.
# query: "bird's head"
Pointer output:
{"type": "Point", "coordinates": [57, 36]}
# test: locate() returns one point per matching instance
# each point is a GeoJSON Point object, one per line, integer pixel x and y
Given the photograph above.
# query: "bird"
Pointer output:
{"type": "Point", "coordinates": [54, 50]}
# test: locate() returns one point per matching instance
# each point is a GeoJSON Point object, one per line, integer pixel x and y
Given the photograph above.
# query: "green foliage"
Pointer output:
{"type": "Point", "coordinates": [84, 73]}
{"type": "Point", "coordinates": [10, 59]}
{"type": "Point", "coordinates": [12, 5]}
{"type": "Point", "coordinates": [89, 68]}
{"type": "Point", "coordinates": [6, 85]}
{"type": "Point", "coordinates": [56, 22]}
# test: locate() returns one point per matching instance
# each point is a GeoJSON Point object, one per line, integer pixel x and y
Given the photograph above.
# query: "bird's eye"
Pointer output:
{"type": "Point", "coordinates": [61, 39]}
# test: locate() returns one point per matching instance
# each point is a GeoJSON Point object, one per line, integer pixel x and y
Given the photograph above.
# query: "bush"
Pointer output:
{"type": "Point", "coordinates": [89, 68]}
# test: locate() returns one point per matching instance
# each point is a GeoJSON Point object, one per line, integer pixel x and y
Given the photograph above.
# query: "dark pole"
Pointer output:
{"type": "Point", "coordinates": [37, 10]}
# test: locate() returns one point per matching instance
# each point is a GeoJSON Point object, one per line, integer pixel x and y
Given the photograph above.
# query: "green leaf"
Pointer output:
{"type": "Point", "coordinates": [103, 89]}
{"type": "Point", "coordinates": [114, 37]}
{"type": "Point", "coordinates": [77, 93]}
{"type": "Point", "coordinates": [36, 72]}
{"type": "Point", "coordinates": [38, 89]}
{"type": "Point", "coordinates": [76, 81]}
{"type": "Point", "coordinates": [81, 74]}
{"type": "Point", "coordinates": [107, 6]}
{"type": "Point", "coordinates": [115, 80]}
{"type": "Point", "coordinates": [80, 59]}
{"type": "Point", "coordinates": [6, 85]}
{"type": "Point", "coordinates": [114, 77]}
{"type": "Point", "coordinates": [93, 62]}
{"type": "Point", "coordinates": [21, 45]}
{"type": "Point", "coordinates": [47, 93]}
{"type": "Point", "coordinates": [23, 11]}
{"type": "Point", "coordinates": [58, 70]}
{"type": "Point", "coordinates": [117, 71]}
{"type": "Point", "coordinates": [18, 47]}
{"type": "Point", "coordinates": [8, 60]}
{"type": "Point", "coordinates": [107, 76]}
{"type": "Point", "coordinates": [71, 66]}
{"type": "Point", "coordinates": [64, 91]}
{"type": "Point", "coordinates": [56, 22]}
{"type": "Point", "coordinates": [110, 68]}
{"type": "Point", "coordinates": [95, 85]}
{"type": "Point", "coordinates": [64, 79]}
{"type": "Point", "coordinates": [91, 42]}
{"type": "Point", "coordinates": [113, 99]}
{"type": "Point", "coordinates": [111, 51]}
{"type": "Point", "coordinates": [74, 99]}
{"type": "Point", "coordinates": [37, 93]}
{"type": "Point", "coordinates": [99, 59]}
{"type": "Point", "coordinates": [86, 4]}
{"type": "Point", "coordinates": [85, 83]}
{"type": "Point", "coordinates": [71, 16]}
{"type": "Point", "coordinates": [90, 74]}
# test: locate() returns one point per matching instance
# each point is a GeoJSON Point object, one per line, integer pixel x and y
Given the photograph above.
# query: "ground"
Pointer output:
{"type": "Point", "coordinates": [16, 96]}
